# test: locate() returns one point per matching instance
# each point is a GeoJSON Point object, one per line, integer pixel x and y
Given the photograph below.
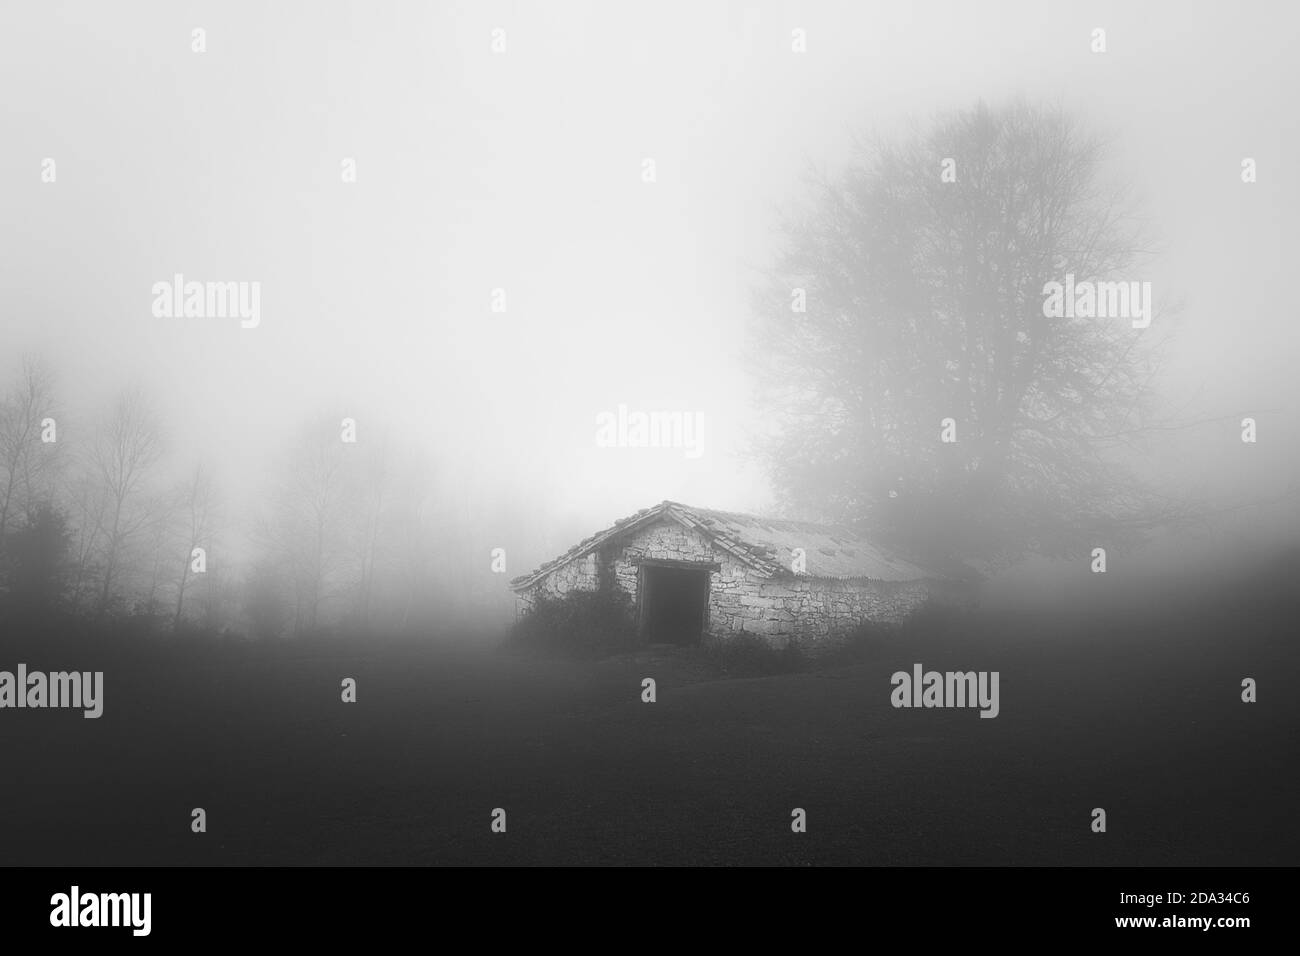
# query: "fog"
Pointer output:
{"type": "Point", "coordinates": [517, 177]}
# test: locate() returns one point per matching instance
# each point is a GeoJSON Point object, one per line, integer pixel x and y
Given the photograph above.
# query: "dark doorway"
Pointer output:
{"type": "Point", "coordinates": [673, 604]}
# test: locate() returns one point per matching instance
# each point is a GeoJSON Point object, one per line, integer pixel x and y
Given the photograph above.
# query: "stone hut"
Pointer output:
{"type": "Point", "coordinates": [695, 574]}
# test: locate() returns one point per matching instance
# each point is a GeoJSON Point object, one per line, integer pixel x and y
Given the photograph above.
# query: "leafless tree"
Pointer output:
{"type": "Point", "coordinates": [122, 455]}
{"type": "Point", "coordinates": [371, 489]}
{"type": "Point", "coordinates": [198, 517]}
{"type": "Point", "coordinates": [87, 505]}
{"type": "Point", "coordinates": [164, 515]}
{"type": "Point", "coordinates": [924, 302]}
{"type": "Point", "coordinates": [27, 463]}
{"type": "Point", "coordinates": [304, 533]}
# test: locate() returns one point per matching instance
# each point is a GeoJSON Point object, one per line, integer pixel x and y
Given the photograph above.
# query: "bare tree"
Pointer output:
{"type": "Point", "coordinates": [923, 298]}
{"type": "Point", "coordinates": [122, 456]}
{"type": "Point", "coordinates": [305, 533]}
{"type": "Point", "coordinates": [26, 462]}
{"type": "Point", "coordinates": [87, 505]}
{"type": "Point", "coordinates": [198, 510]}
{"type": "Point", "coordinates": [370, 489]}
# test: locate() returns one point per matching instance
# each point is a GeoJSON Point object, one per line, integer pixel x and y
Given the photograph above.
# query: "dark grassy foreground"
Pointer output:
{"type": "Point", "coordinates": [1137, 711]}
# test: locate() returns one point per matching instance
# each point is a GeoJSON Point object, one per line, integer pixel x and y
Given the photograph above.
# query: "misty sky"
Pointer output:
{"type": "Point", "coordinates": [523, 171]}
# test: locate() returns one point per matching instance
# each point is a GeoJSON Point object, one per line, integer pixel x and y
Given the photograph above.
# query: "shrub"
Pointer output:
{"type": "Point", "coordinates": [582, 623]}
{"type": "Point", "coordinates": [35, 563]}
{"type": "Point", "coordinates": [748, 655]}
{"type": "Point", "coordinates": [874, 640]}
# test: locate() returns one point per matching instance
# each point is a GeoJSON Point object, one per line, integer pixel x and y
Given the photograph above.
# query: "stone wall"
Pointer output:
{"type": "Point", "coordinates": [733, 588]}
{"type": "Point", "coordinates": [579, 575]}
{"type": "Point", "coordinates": [811, 609]}
{"type": "Point", "coordinates": [740, 600]}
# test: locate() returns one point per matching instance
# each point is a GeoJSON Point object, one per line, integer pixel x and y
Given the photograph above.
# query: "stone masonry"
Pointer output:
{"type": "Point", "coordinates": [740, 599]}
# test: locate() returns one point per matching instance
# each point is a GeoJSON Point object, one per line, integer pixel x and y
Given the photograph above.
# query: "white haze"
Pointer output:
{"type": "Point", "coordinates": [523, 171]}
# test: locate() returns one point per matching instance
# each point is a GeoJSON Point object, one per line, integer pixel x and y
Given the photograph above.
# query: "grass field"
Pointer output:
{"type": "Point", "coordinates": [1136, 710]}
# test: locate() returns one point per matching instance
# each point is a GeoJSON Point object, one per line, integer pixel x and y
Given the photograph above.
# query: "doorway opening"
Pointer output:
{"type": "Point", "coordinates": [674, 603]}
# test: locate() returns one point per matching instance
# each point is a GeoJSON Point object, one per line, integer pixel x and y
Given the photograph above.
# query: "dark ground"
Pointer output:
{"type": "Point", "coordinates": [1135, 711]}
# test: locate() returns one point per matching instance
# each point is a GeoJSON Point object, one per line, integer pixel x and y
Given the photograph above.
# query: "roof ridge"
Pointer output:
{"type": "Point", "coordinates": [852, 554]}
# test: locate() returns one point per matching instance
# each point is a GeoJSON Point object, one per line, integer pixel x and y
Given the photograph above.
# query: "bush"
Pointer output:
{"type": "Point", "coordinates": [35, 563]}
{"type": "Point", "coordinates": [582, 623]}
{"type": "Point", "coordinates": [748, 655]}
{"type": "Point", "coordinates": [874, 640]}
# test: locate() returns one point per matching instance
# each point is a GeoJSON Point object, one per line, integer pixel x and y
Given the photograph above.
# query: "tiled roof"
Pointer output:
{"type": "Point", "coordinates": [766, 545]}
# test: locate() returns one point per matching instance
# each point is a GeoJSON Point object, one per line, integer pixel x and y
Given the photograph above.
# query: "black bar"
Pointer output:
{"type": "Point", "coordinates": [336, 905]}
